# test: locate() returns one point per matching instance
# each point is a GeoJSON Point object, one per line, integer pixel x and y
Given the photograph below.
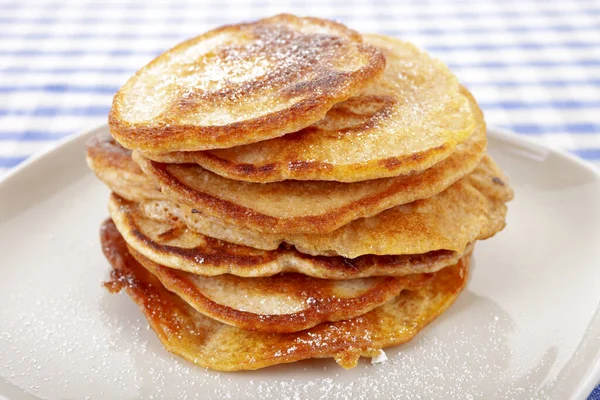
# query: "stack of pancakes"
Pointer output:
{"type": "Point", "coordinates": [289, 189]}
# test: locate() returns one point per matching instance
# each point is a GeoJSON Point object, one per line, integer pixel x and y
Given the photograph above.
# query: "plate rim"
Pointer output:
{"type": "Point", "coordinates": [588, 381]}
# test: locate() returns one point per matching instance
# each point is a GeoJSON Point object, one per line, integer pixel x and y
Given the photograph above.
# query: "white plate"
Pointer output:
{"type": "Point", "coordinates": [527, 326]}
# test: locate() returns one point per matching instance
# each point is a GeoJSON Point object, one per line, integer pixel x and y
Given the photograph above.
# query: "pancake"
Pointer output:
{"type": "Point", "coordinates": [242, 83]}
{"type": "Point", "coordinates": [112, 163]}
{"type": "Point", "coordinates": [479, 198]}
{"type": "Point", "coordinates": [212, 344]}
{"type": "Point", "coordinates": [307, 206]}
{"type": "Point", "coordinates": [406, 122]}
{"type": "Point", "coordinates": [170, 244]}
{"type": "Point", "coordinates": [471, 209]}
{"type": "Point", "coordinates": [281, 303]}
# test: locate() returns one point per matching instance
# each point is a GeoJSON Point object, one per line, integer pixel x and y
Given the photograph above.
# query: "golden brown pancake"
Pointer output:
{"type": "Point", "coordinates": [307, 206]}
{"type": "Point", "coordinates": [242, 83]}
{"type": "Point", "coordinates": [406, 122]}
{"type": "Point", "coordinates": [313, 206]}
{"type": "Point", "coordinates": [167, 242]}
{"type": "Point", "coordinates": [212, 344]}
{"type": "Point", "coordinates": [471, 209]}
{"type": "Point", "coordinates": [482, 207]}
{"type": "Point", "coordinates": [112, 163]}
{"type": "Point", "coordinates": [281, 303]}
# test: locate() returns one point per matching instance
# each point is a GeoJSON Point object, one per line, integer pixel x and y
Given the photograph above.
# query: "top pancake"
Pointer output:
{"type": "Point", "coordinates": [410, 119]}
{"type": "Point", "coordinates": [242, 83]}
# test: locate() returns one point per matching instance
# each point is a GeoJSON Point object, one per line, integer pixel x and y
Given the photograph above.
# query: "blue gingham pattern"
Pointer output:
{"type": "Point", "coordinates": [534, 66]}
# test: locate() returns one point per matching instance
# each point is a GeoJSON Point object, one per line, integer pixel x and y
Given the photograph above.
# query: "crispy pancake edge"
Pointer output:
{"type": "Point", "coordinates": [332, 310]}
{"type": "Point", "coordinates": [254, 263]}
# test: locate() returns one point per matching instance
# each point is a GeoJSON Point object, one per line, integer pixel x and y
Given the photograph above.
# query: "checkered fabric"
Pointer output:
{"type": "Point", "coordinates": [533, 65]}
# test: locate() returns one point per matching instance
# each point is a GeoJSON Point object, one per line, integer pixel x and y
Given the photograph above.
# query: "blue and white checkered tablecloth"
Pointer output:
{"type": "Point", "coordinates": [534, 65]}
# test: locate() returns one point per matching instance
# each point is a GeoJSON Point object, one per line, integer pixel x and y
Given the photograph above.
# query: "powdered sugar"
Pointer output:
{"type": "Point", "coordinates": [239, 74]}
